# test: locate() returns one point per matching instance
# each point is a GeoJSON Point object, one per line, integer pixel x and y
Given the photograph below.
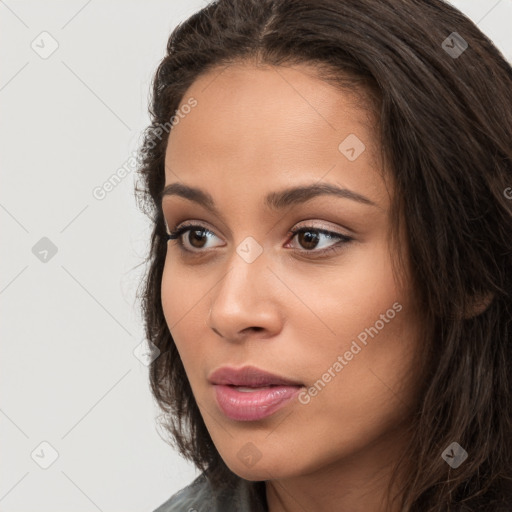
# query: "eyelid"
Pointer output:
{"type": "Point", "coordinates": [190, 223]}
{"type": "Point", "coordinates": [322, 227]}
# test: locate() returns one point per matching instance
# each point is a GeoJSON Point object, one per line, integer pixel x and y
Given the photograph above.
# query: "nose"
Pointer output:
{"type": "Point", "coordinates": [246, 302]}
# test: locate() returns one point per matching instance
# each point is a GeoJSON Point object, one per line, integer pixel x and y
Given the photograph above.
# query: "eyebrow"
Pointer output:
{"type": "Point", "coordinates": [275, 200]}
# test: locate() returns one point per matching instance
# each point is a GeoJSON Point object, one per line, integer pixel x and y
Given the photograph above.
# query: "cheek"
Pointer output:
{"type": "Point", "coordinates": [183, 309]}
{"type": "Point", "coordinates": [183, 291]}
{"type": "Point", "coordinates": [374, 329]}
{"type": "Point", "coordinates": [346, 298]}
{"type": "Point", "coordinates": [169, 286]}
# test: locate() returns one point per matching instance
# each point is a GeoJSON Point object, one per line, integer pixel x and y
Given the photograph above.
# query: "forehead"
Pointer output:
{"type": "Point", "coordinates": [256, 125]}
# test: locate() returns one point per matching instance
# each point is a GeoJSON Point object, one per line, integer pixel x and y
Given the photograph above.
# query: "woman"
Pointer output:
{"type": "Point", "coordinates": [329, 283]}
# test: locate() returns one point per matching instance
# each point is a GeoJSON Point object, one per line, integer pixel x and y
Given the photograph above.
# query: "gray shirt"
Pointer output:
{"type": "Point", "coordinates": [199, 496]}
{"type": "Point", "coordinates": [248, 496]}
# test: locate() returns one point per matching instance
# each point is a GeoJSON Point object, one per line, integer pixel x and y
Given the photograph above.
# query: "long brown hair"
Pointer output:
{"type": "Point", "coordinates": [445, 128]}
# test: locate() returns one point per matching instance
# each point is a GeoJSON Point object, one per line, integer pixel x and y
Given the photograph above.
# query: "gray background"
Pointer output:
{"type": "Point", "coordinates": [70, 323]}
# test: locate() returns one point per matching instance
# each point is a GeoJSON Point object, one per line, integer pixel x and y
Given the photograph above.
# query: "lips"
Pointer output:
{"type": "Point", "coordinates": [253, 405]}
{"type": "Point", "coordinates": [251, 394]}
{"type": "Point", "coordinates": [249, 377]}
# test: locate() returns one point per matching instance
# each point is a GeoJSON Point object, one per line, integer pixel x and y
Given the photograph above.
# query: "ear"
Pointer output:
{"type": "Point", "coordinates": [480, 304]}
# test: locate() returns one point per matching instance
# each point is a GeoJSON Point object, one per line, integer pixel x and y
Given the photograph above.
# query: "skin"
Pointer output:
{"type": "Point", "coordinates": [255, 130]}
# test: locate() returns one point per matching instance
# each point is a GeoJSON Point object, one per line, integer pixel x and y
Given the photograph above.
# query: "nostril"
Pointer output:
{"type": "Point", "coordinates": [255, 329]}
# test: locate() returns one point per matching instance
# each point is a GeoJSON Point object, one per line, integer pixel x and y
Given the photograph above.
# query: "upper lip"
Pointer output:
{"type": "Point", "coordinates": [248, 376]}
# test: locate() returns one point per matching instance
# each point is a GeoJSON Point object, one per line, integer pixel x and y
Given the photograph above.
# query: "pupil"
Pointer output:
{"type": "Point", "coordinates": [198, 234]}
{"type": "Point", "coordinates": [311, 239]}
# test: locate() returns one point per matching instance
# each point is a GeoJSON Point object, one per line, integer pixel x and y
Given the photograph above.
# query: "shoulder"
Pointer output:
{"type": "Point", "coordinates": [199, 496]}
{"type": "Point", "coordinates": [195, 496]}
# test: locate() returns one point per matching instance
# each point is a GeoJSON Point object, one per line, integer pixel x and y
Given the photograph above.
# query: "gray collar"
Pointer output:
{"type": "Point", "coordinates": [199, 496]}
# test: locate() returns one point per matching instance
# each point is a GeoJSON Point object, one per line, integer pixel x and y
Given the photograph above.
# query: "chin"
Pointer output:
{"type": "Point", "coordinates": [262, 469]}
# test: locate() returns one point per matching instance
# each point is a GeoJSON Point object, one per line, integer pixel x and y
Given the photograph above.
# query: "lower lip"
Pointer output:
{"type": "Point", "coordinates": [253, 405]}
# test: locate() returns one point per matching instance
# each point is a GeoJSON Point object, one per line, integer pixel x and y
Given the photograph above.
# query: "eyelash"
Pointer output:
{"type": "Point", "coordinates": [177, 233]}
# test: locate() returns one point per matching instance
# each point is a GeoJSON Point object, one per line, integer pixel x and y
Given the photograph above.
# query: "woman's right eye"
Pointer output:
{"type": "Point", "coordinates": [196, 234]}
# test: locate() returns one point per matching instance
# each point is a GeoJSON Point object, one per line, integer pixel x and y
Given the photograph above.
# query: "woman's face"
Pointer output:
{"type": "Point", "coordinates": [312, 308]}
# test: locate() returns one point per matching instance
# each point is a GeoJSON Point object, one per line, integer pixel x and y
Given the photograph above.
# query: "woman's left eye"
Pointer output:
{"type": "Point", "coordinates": [309, 237]}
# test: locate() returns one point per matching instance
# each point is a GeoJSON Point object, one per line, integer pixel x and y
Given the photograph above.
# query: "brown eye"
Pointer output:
{"type": "Point", "coordinates": [309, 239]}
{"type": "Point", "coordinates": [196, 239]}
